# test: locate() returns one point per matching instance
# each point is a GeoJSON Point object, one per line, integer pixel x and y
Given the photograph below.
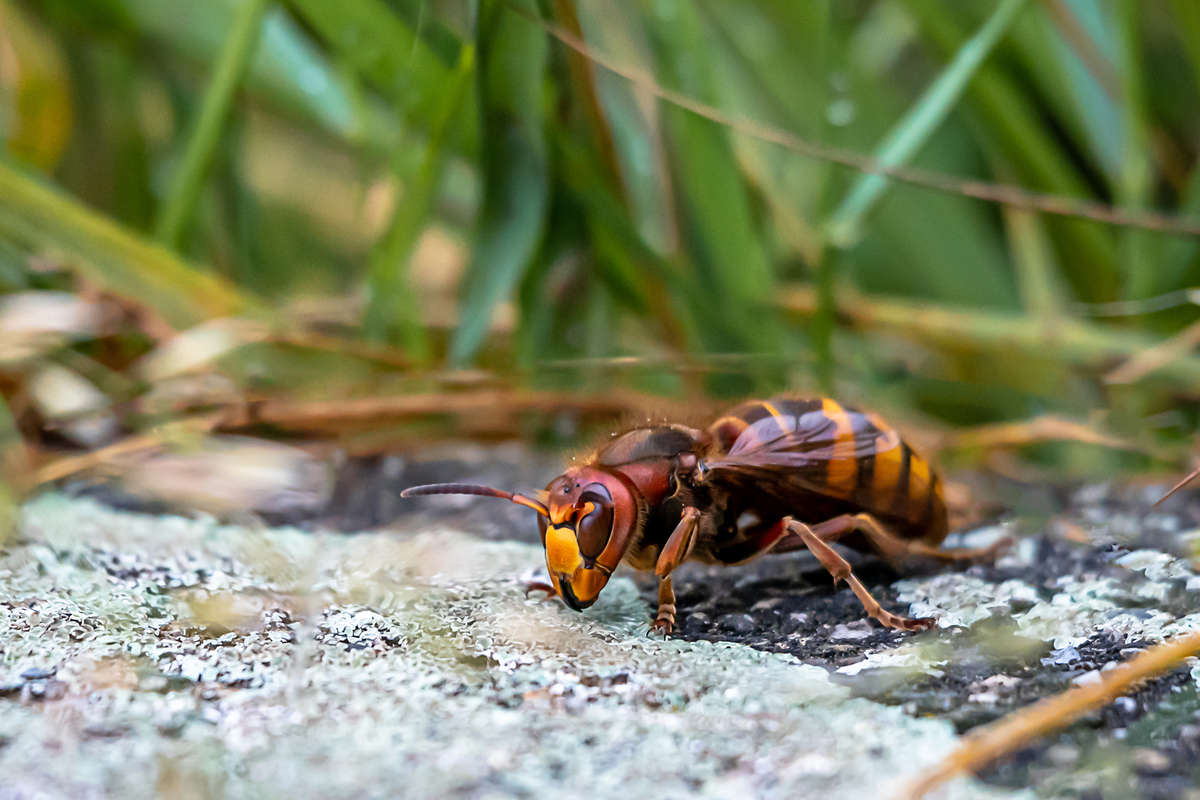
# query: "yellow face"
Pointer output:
{"type": "Point", "coordinates": [576, 533]}
{"type": "Point", "coordinates": [578, 585]}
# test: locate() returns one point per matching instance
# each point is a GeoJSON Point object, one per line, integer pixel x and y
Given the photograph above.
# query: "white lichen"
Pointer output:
{"type": "Point", "coordinates": [394, 665]}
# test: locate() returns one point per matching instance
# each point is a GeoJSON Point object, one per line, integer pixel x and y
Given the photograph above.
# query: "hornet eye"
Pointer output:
{"type": "Point", "coordinates": [595, 526]}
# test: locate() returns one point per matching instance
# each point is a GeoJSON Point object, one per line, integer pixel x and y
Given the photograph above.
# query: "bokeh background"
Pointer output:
{"type": "Point", "coordinates": [253, 235]}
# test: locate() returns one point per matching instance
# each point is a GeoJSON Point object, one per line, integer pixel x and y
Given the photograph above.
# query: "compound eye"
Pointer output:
{"type": "Point", "coordinates": [595, 526]}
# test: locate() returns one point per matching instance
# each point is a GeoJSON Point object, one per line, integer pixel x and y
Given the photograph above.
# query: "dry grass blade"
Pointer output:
{"type": "Point", "coordinates": [1072, 341]}
{"type": "Point", "coordinates": [338, 416]}
{"type": "Point", "coordinates": [1039, 429]}
{"type": "Point", "coordinates": [984, 745]}
{"type": "Point", "coordinates": [980, 190]}
{"type": "Point", "coordinates": [139, 443]}
{"type": "Point", "coordinates": [1142, 364]}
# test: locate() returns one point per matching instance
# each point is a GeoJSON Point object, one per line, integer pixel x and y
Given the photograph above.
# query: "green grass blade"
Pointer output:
{"type": "Point", "coordinates": [205, 133]}
{"type": "Point", "coordinates": [110, 256]}
{"type": "Point", "coordinates": [1186, 15]}
{"type": "Point", "coordinates": [512, 63]}
{"type": "Point", "coordinates": [387, 51]}
{"type": "Point", "coordinates": [1137, 171]}
{"type": "Point", "coordinates": [288, 72]}
{"type": "Point", "coordinates": [391, 314]}
{"type": "Point", "coordinates": [1007, 117]}
{"type": "Point", "coordinates": [919, 123]}
{"type": "Point", "coordinates": [636, 135]}
{"type": "Point", "coordinates": [1036, 268]}
{"type": "Point", "coordinates": [771, 63]}
{"type": "Point", "coordinates": [1068, 52]}
{"type": "Point", "coordinates": [1178, 260]}
{"type": "Point", "coordinates": [716, 221]}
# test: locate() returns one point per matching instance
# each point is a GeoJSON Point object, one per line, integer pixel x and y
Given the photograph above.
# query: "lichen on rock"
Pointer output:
{"type": "Point", "coordinates": [144, 655]}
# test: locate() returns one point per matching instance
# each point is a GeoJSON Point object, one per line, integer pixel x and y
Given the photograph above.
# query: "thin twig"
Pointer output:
{"type": "Point", "coordinates": [1190, 477]}
{"type": "Point", "coordinates": [949, 184]}
{"type": "Point", "coordinates": [985, 744]}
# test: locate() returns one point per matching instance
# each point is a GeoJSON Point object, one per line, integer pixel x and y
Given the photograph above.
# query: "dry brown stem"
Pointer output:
{"type": "Point", "coordinates": [985, 744]}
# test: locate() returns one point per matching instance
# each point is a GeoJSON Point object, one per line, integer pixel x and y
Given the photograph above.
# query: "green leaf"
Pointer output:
{"type": "Point", "coordinates": [770, 65]}
{"type": "Point", "coordinates": [922, 119]}
{"type": "Point", "coordinates": [1135, 183]}
{"type": "Point", "coordinates": [512, 63]}
{"type": "Point", "coordinates": [110, 256]}
{"type": "Point", "coordinates": [1186, 17]}
{"type": "Point", "coordinates": [1037, 270]}
{"type": "Point", "coordinates": [635, 134]}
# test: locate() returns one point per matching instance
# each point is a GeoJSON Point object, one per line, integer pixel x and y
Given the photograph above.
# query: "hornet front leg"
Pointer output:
{"type": "Point", "coordinates": [675, 552]}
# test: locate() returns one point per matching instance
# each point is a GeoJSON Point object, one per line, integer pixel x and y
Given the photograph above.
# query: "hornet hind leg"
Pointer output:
{"type": "Point", "coordinates": [892, 548]}
{"type": "Point", "coordinates": [789, 534]}
{"type": "Point", "coordinates": [896, 550]}
{"type": "Point", "coordinates": [839, 568]}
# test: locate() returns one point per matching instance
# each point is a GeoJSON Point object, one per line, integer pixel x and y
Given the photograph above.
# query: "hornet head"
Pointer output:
{"type": "Point", "coordinates": [586, 517]}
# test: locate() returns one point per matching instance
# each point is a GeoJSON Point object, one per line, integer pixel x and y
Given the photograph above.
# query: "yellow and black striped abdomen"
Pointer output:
{"type": "Point", "coordinates": [895, 481]}
{"type": "Point", "coordinates": [817, 446]}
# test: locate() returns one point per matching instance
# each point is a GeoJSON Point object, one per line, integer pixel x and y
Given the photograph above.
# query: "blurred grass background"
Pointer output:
{"type": "Point", "coordinates": [371, 222]}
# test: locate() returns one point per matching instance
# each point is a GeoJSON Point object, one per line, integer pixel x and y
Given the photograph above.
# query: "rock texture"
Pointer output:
{"type": "Point", "coordinates": [145, 654]}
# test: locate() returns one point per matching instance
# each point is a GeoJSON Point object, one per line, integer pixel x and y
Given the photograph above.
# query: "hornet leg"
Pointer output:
{"type": "Point", "coordinates": [675, 552]}
{"type": "Point", "coordinates": [664, 620]}
{"type": "Point", "coordinates": [679, 545]}
{"type": "Point", "coordinates": [839, 568]}
{"type": "Point", "coordinates": [896, 550]}
{"type": "Point", "coordinates": [540, 586]}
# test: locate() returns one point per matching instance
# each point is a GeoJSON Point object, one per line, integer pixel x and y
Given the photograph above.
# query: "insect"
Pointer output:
{"type": "Point", "coordinates": [768, 476]}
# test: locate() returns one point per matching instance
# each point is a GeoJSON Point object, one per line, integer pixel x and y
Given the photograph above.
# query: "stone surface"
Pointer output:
{"type": "Point", "coordinates": [195, 658]}
{"type": "Point", "coordinates": [149, 654]}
